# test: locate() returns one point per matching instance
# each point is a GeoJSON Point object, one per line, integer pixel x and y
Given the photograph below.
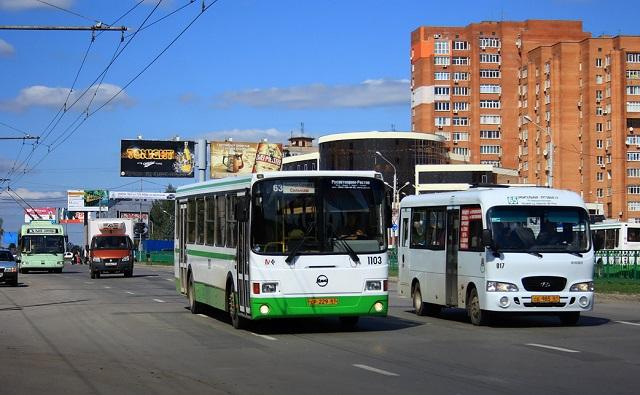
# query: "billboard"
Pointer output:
{"type": "Point", "coordinates": [156, 158]}
{"type": "Point", "coordinates": [229, 158]}
{"type": "Point", "coordinates": [141, 195]}
{"type": "Point", "coordinates": [70, 217]}
{"type": "Point", "coordinates": [41, 213]}
{"type": "Point", "coordinates": [88, 200]}
{"type": "Point", "coordinates": [135, 216]}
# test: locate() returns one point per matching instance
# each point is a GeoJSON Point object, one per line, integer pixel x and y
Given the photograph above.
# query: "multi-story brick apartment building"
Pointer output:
{"type": "Point", "coordinates": [542, 97]}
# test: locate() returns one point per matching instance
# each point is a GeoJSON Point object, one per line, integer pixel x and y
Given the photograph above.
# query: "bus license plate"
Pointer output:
{"type": "Point", "coordinates": [545, 299]}
{"type": "Point", "coordinates": [322, 301]}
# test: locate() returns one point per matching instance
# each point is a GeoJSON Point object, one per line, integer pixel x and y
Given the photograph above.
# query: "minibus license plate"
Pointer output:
{"type": "Point", "coordinates": [111, 263]}
{"type": "Point", "coordinates": [545, 299]}
{"type": "Point", "coordinates": [322, 301]}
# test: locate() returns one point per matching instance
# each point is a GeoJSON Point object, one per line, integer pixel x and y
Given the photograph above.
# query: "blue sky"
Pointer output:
{"type": "Point", "coordinates": [245, 69]}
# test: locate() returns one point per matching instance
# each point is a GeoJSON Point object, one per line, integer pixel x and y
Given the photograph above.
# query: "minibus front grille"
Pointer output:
{"type": "Point", "coordinates": [544, 283]}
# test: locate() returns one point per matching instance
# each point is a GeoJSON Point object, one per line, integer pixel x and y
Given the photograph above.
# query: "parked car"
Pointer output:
{"type": "Point", "coordinates": [8, 268]}
{"type": "Point", "coordinates": [68, 256]}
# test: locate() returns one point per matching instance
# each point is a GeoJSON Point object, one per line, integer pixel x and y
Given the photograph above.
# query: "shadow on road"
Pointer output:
{"type": "Point", "coordinates": [526, 320]}
{"type": "Point", "coordinates": [104, 276]}
{"type": "Point", "coordinates": [20, 285]}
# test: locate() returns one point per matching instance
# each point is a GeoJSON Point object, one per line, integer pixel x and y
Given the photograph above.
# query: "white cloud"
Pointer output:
{"type": "Point", "coordinates": [6, 49]}
{"type": "Point", "coordinates": [43, 96]}
{"type": "Point", "coordinates": [29, 4]}
{"type": "Point", "coordinates": [250, 135]}
{"type": "Point", "coordinates": [27, 194]}
{"type": "Point", "coordinates": [369, 93]}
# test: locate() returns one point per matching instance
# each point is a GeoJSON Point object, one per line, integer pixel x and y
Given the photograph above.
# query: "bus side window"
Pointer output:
{"type": "Point", "coordinates": [418, 228]}
{"type": "Point", "coordinates": [405, 232]}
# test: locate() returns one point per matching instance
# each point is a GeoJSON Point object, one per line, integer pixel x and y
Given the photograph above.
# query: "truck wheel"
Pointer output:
{"type": "Point", "coordinates": [97, 273]}
{"type": "Point", "coordinates": [93, 274]}
{"type": "Point", "coordinates": [128, 273]}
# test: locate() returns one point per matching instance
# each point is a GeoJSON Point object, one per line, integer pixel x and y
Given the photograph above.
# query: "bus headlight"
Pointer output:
{"type": "Point", "coordinates": [269, 288]}
{"type": "Point", "coordinates": [264, 309]}
{"type": "Point", "coordinates": [582, 287]}
{"type": "Point", "coordinates": [378, 306]}
{"type": "Point", "coordinates": [373, 285]}
{"type": "Point", "coordinates": [96, 259]}
{"type": "Point", "coordinates": [497, 286]}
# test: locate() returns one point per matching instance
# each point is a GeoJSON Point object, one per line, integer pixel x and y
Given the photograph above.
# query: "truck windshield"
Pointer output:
{"type": "Point", "coordinates": [42, 244]}
{"type": "Point", "coordinates": [318, 215]}
{"type": "Point", "coordinates": [540, 229]}
{"type": "Point", "coordinates": [111, 243]}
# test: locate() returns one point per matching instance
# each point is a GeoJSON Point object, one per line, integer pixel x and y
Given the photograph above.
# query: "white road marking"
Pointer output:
{"type": "Point", "coordinates": [170, 279]}
{"type": "Point", "coordinates": [375, 370]}
{"type": "Point", "coordinates": [627, 323]}
{"type": "Point", "coordinates": [551, 347]}
{"type": "Point", "coordinates": [130, 293]}
{"type": "Point", "coordinates": [202, 315]}
{"type": "Point", "coordinates": [107, 287]}
{"type": "Point", "coordinates": [159, 300]}
{"type": "Point", "coordinates": [88, 282]}
{"type": "Point", "coordinates": [263, 336]}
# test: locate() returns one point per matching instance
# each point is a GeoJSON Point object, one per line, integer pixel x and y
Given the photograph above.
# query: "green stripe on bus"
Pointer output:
{"type": "Point", "coordinates": [207, 254]}
{"type": "Point", "coordinates": [360, 305]}
{"type": "Point", "coordinates": [220, 184]}
{"type": "Point", "coordinates": [208, 294]}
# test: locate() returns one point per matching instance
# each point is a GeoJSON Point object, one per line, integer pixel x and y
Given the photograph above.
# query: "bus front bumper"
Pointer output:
{"type": "Point", "coordinates": [539, 302]}
{"type": "Point", "coordinates": [323, 306]}
{"type": "Point", "coordinates": [36, 264]}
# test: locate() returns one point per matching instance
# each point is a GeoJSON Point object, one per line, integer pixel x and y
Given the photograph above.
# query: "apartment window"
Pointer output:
{"type": "Point", "coordinates": [633, 173]}
{"type": "Point", "coordinates": [490, 149]}
{"type": "Point", "coordinates": [441, 91]}
{"type": "Point", "coordinates": [491, 88]}
{"type": "Point", "coordinates": [635, 140]}
{"type": "Point", "coordinates": [441, 76]}
{"type": "Point", "coordinates": [633, 57]}
{"type": "Point", "coordinates": [633, 189]}
{"type": "Point", "coordinates": [461, 151]}
{"type": "Point", "coordinates": [460, 136]}
{"type": "Point", "coordinates": [442, 121]}
{"type": "Point", "coordinates": [441, 106]}
{"type": "Point", "coordinates": [599, 144]}
{"type": "Point", "coordinates": [490, 134]}
{"type": "Point", "coordinates": [633, 156]}
{"type": "Point", "coordinates": [442, 47]}
{"type": "Point", "coordinates": [598, 110]}
{"type": "Point", "coordinates": [441, 60]}
{"type": "Point", "coordinates": [460, 45]}
{"type": "Point", "coordinates": [489, 58]}
{"type": "Point", "coordinates": [461, 91]}
{"type": "Point", "coordinates": [599, 160]}
{"type": "Point", "coordinates": [607, 91]}
{"type": "Point", "coordinates": [633, 206]}
{"type": "Point", "coordinates": [633, 74]}
{"type": "Point", "coordinates": [609, 158]}
{"type": "Point", "coordinates": [599, 127]}
{"type": "Point", "coordinates": [489, 103]}
{"type": "Point", "coordinates": [599, 176]}
{"type": "Point", "coordinates": [460, 106]}
{"type": "Point", "coordinates": [490, 119]}
{"type": "Point", "coordinates": [524, 73]}
{"type": "Point", "coordinates": [599, 192]}
{"type": "Point", "coordinates": [633, 89]}
{"type": "Point", "coordinates": [598, 95]}
{"type": "Point", "coordinates": [460, 121]}
{"type": "Point", "coordinates": [633, 106]}
{"type": "Point", "coordinates": [460, 60]}
{"type": "Point", "coordinates": [598, 62]}
{"type": "Point", "coordinates": [599, 79]}
{"type": "Point", "coordinates": [446, 135]}
{"type": "Point", "coordinates": [489, 73]}
{"type": "Point", "coordinates": [607, 60]}
{"type": "Point", "coordinates": [489, 42]}
{"type": "Point", "coordinates": [460, 76]}
{"type": "Point", "coordinates": [609, 124]}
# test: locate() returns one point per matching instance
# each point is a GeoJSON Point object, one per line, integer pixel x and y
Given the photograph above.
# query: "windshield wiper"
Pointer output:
{"type": "Point", "coordinates": [352, 254]}
{"type": "Point", "coordinates": [574, 253]}
{"type": "Point", "coordinates": [296, 248]}
{"type": "Point", "coordinates": [539, 255]}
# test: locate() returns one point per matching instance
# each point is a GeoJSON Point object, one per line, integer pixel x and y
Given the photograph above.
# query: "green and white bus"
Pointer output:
{"type": "Point", "coordinates": [285, 244]}
{"type": "Point", "coordinates": [41, 246]}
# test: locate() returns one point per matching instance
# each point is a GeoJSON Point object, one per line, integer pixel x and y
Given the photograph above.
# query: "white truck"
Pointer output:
{"type": "Point", "coordinates": [111, 246]}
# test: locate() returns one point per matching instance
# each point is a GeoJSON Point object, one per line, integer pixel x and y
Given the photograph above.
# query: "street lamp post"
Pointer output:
{"type": "Point", "coordinates": [551, 149]}
{"type": "Point", "coordinates": [395, 178]}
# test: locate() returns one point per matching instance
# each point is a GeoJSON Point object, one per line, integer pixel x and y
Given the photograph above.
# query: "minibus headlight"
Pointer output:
{"type": "Point", "coordinates": [269, 288]}
{"type": "Point", "coordinates": [95, 259]}
{"type": "Point", "coordinates": [497, 286]}
{"type": "Point", "coordinates": [374, 285]}
{"type": "Point", "coordinates": [582, 287]}
{"type": "Point", "coordinates": [125, 259]}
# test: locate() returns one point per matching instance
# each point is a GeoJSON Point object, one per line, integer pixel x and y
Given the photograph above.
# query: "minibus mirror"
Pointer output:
{"type": "Point", "coordinates": [487, 239]}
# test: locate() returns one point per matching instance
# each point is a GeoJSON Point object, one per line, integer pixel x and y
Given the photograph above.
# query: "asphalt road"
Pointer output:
{"type": "Point", "coordinates": [66, 333]}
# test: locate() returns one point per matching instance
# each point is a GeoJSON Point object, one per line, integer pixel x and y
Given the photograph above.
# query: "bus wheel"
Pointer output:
{"type": "Point", "coordinates": [478, 317]}
{"type": "Point", "coordinates": [232, 303]}
{"type": "Point", "coordinates": [349, 321]}
{"type": "Point", "coordinates": [194, 305]}
{"type": "Point", "coordinates": [569, 318]}
{"type": "Point", "coordinates": [59, 270]}
{"type": "Point", "coordinates": [418, 305]}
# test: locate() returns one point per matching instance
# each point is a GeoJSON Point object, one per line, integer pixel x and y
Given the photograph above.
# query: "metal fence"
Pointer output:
{"type": "Point", "coordinates": [155, 258]}
{"type": "Point", "coordinates": [617, 264]}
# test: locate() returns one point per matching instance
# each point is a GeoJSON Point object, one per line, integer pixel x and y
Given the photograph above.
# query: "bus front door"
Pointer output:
{"type": "Point", "coordinates": [453, 233]}
{"type": "Point", "coordinates": [242, 267]}
{"type": "Point", "coordinates": [182, 246]}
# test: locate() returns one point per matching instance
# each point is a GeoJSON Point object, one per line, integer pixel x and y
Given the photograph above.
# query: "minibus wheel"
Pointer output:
{"type": "Point", "coordinates": [418, 305]}
{"type": "Point", "coordinates": [477, 316]}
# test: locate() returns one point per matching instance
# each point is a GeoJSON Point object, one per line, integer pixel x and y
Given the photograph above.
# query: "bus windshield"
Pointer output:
{"type": "Point", "coordinates": [540, 229]}
{"type": "Point", "coordinates": [42, 244]}
{"type": "Point", "coordinates": [318, 215]}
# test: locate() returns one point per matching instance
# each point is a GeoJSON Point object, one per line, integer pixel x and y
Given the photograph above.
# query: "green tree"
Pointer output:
{"type": "Point", "coordinates": [163, 217]}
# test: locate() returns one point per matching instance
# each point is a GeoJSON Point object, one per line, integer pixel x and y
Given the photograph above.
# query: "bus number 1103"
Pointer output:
{"type": "Point", "coordinates": [374, 260]}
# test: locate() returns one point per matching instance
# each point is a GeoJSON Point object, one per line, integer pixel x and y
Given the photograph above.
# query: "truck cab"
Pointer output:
{"type": "Point", "coordinates": [111, 250]}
